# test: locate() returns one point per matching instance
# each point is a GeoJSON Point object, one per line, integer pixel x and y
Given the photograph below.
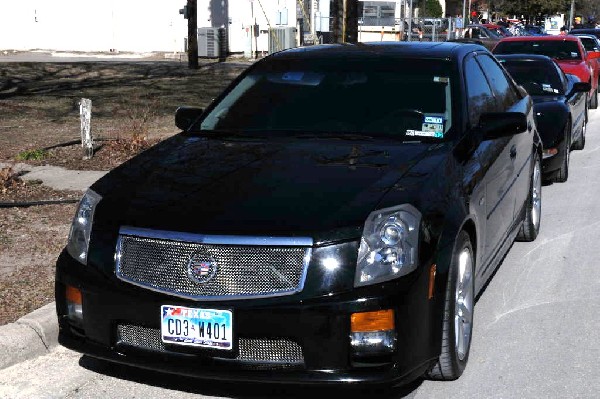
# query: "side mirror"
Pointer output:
{"type": "Point", "coordinates": [581, 87]}
{"type": "Point", "coordinates": [494, 125]}
{"type": "Point", "coordinates": [186, 116]}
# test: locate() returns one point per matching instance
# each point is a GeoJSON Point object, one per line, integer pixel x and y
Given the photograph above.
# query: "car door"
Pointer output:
{"type": "Point", "coordinates": [577, 102]}
{"type": "Point", "coordinates": [494, 157]}
{"type": "Point", "coordinates": [509, 99]}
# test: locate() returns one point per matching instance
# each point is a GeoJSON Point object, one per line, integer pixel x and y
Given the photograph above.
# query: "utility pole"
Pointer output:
{"type": "Point", "coordinates": [571, 15]}
{"type": "Point", "coordinates": [345, 21]}
{"type": "Point", "coordinates": [192, 11]}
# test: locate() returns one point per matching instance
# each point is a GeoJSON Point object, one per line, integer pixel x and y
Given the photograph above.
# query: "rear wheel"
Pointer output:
{"type": "Point", "coordinates": [563, 172]}
{"type": "Point", "coordinates": [458, 313]}
{"type": "Point", "coordinates": [533, 205]}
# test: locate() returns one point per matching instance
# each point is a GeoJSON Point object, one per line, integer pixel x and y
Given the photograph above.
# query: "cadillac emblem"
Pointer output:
{"type": "Point", "coordinates": [201, 268]}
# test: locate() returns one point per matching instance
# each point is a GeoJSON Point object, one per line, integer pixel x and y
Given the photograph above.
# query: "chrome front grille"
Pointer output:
{"type": "Point", "coordinates": [243, 267]}
{"type": "Point", "coordinates": [266, 351]}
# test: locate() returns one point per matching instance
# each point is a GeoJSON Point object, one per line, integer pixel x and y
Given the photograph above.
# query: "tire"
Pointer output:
{"type": "Point", "coordinates": [594, 100]}
{"type": "Point", "coordinates": [457, 326]}
{"type": "Point", "coordinates": [533, 205]}
{"type": "Point", "coordinates": [580, 143]}
{"type": "Point", "coordinates": [563, 172]}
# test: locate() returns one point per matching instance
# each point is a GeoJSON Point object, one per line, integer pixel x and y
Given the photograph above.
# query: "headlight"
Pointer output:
{"type": "Point", "coordinates": [81, 228]}
{"type": "Point", "coordinates": [389, 244]}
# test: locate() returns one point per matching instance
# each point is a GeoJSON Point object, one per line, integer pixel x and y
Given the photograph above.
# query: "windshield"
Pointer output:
{"type": "Point", "coordinates": [589, 43]}
{"type": "Point", "coordinates": [559, 50]}
{"type": "Point", "coordinates": [537, 77]}
{"type": "Point", "coordinates": [373, 97]}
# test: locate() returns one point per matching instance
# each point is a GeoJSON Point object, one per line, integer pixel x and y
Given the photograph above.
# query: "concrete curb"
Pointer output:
{"type": "Point", "coordinates": [32, 335]}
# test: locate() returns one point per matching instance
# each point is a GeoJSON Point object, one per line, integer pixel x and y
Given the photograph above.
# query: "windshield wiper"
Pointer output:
{"type": "Point", "coordinates": [331, 135]}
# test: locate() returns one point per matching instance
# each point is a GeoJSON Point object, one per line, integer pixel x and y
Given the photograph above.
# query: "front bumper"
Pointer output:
{"type": "Point", "coordinates": [552, 164]}
{"type": "Point", "coordinates": [320, 326]}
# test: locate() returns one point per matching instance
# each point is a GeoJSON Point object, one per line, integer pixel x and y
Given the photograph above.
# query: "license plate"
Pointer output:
{"type": "Point", "coordinates": [205, 328]}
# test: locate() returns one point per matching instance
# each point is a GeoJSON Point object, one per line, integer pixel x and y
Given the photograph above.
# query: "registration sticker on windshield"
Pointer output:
{"type": "Point", "coordinates": [547, 88]}
{"type": "Point", "coordinates": [421, 133]}
{"type": "Point", "coordinates": [433, 124]}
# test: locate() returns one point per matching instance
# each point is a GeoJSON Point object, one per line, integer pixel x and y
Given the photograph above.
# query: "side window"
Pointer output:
{"type": "Point", "coordinates": [563, 78]}
{"type": "Point", "coordinates": [504, 91]}
{"type": "Point", "coordinates": [479, 95]}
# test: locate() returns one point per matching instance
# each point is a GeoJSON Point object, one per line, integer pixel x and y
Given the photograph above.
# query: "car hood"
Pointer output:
{"type": "Point", "coordinates": [577, 68]}
{"type": "Point", "coordinates": [275, 187]}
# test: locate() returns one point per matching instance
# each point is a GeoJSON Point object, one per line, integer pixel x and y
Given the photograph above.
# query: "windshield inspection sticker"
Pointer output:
{"type": "Point", "coordinates": [548, 88]}
{"type": "Point", "coordinates": [420, 133]}
{"type": "Point", "coordinates": [433, 124]}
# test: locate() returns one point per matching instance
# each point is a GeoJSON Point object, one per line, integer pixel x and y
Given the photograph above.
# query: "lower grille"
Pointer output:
{"type": "Point", "coordinates": [263, 353]}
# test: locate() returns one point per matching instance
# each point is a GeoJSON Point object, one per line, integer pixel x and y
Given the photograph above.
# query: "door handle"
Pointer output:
{"type": "Point", "coordinates": [513, 152]}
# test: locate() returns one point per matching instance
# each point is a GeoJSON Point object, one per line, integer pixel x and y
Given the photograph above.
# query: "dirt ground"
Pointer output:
{"type": "Point", "coordinates": [133, 105]}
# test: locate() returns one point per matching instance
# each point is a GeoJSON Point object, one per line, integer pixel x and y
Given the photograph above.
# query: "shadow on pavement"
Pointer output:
{"type": "Point", "coordinates": [238, 389]}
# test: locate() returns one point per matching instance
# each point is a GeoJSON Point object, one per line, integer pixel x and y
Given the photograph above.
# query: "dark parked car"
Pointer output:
{"type": "Point", "coordinates": [534, 30]}
{"type": "Point", "coordinates": [568, 51]}
{"type": "Point", "coordinates": [585, 31]}
{"type": "Point", "coordinates": [328, 219]}
{"type": "Point", "coordinates": [560, 106]}
{"type": "Point", "coordinates": [481, 34]}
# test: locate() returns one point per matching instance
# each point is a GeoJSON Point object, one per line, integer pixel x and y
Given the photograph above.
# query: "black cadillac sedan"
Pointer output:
{"type": "Point", "coordinates": [329, 218]}
{"type": "Point", "coordinates": [560, 106]}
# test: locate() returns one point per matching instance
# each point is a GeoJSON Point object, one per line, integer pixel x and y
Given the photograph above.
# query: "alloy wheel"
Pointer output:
{"type": "Point", "coordinates": [464, 301]}
{"type": "Point", "coordinates": [536, 195]}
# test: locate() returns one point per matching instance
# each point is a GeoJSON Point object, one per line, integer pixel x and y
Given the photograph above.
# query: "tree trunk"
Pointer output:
{"type": "Point", "coordinates": [344, 21]}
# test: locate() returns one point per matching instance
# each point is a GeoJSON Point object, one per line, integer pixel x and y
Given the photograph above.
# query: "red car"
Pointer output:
{"type": "Point", "coordinates": [568, 51]}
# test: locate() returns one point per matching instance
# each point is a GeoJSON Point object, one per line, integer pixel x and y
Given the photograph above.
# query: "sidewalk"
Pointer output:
{"type": "Point", "coordinates": [36, 333]}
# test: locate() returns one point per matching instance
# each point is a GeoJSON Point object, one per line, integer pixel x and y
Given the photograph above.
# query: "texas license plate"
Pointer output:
{"type": "Point", "coordinates": [205, 328]}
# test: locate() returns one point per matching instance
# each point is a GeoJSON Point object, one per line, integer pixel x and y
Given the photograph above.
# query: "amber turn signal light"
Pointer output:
{"type": "Point", "coordinates": [73, 295]}
{"type": "Point", "coordinates": [379, 320]}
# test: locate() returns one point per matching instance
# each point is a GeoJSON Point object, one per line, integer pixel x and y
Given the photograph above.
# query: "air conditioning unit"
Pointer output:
{"type": "Point", "coordinates": [281, 38]}
{"type": "Point", "coordinates": [208, 42]}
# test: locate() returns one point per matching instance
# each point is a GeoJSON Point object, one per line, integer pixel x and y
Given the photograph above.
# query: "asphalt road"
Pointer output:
{"type": "Point", "coordinates": [536, 324]}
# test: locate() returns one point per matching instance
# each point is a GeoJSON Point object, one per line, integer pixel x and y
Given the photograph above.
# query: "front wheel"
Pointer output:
{"type": "Point", "coordinates": [533, 205]}
{"type": "Point", "coordinates": [457, 326]}
{"type": "Point", "coordinates": [580, 143]}
{"type": "Point", "coordinates": [563, 172]}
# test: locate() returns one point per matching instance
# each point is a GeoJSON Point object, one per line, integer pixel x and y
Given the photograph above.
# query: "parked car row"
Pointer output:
{"type": "Point", "coordinates": [561, 75]}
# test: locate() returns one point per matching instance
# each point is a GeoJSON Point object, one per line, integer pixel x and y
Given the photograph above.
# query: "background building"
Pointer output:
{"type": "Point", "coordinates": [157, 25]}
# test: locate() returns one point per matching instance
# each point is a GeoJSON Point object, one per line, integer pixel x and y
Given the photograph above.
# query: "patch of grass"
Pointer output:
{"type": "Point", "coordinates": [31, 155]}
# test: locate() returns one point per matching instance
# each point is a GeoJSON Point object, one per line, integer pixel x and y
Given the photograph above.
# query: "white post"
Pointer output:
{"type": "Point", "coordinates": [87, 141]}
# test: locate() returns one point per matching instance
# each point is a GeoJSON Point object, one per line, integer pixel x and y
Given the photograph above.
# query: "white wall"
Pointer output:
{"type": "Point", "coordinates": [92, 25]}
{"type": "Point", "coordinates": [129, 25]}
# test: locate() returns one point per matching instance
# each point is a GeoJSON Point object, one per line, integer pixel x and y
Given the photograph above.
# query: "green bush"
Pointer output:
{"type": "Point", "coordinates": [31, 155]}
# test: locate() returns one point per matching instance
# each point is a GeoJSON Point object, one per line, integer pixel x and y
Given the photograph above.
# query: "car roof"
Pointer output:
{"type": "Point", "coordinates": [586, 30]}
{"type": "Point", "coordinates": [549, 38]}
{"type": "Point", "coordinates": [421, 50]}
